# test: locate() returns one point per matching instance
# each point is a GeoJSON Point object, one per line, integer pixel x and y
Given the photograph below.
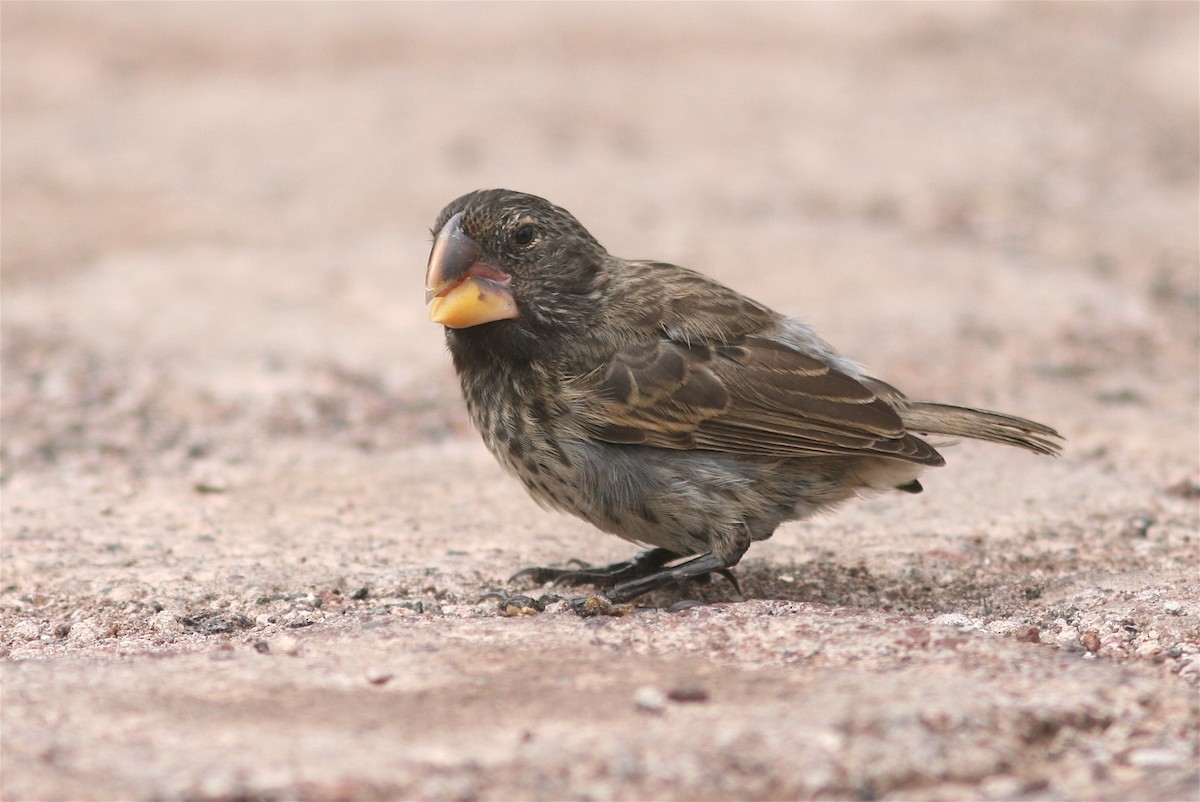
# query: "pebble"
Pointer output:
{"type": "Point", "coordinates": [1067, 634]}
{"type": "Point", "coordinates": [1189, 669]}
{"type": "Point", "coordinates": [286, 645]}
{"type": "Point", "coordinates": [1018, 630]}
{"type": "Point", "coordinates": [1001, 787]}
{"type": "Point", "coordinates": [211, 483]}
{"type": "Point", "coordinates": [650, 699]}
{"type": "Point", "coordinates": [165, 622]}
{"type": "Point", "coordinates": [1028, 634]}
{"type": "Point", "coordinates": [688, 693]}
{"type": "Point", "coordinates": [953, 620]}
{"type": "Point", "coordinates": [1173, 608]}
{"type": "Point", "coordinates": [223, 651]}
{"type": "Point", "coordinates": [377, 676]}
{"type": "Point", "coordinates": [1090, 640]}
{"type": "Point", "coordinates": [301, 618]}
{"type": "Point", "coordinates": [1148, 649]}
{"type": "Point", "coordinates": [1155, 758]}
{"type": "Point", "coordinates": [27, 630]}
{"type": "Point", "coordinates": [83, 633]}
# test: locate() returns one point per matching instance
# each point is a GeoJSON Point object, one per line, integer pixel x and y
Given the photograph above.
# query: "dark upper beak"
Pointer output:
{"type": "Point", "coordinates": [452, 255]}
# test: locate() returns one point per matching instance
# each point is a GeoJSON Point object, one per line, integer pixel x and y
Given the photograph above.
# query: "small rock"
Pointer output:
{"type": "Point", "coordinates": [1138, 526]}
{"type": "Point", "coordinates": [1029, 634]}
{"type": "Point", "coordinates": [1155, 758]}
{"type": "Point", "coordinates": [1185, 488]}
{"type": "Point", "coordinates": [521, 606]}
{"type": "Point", "coordinates": [165, 623]}
{"type": "Point", "coordinates": [408, 608]}
{"type": "Point", "coordinates": [262, 647]}
{"type": "Point", "coordinates": [1001, 787]}
{"type": "Point", "coordinates": [1148, 650]}
{"type": "Point", "coordinates": [27, 630]}
{"type": "Point", "coordinates": [300, 618]}
{"type": "Point", "coordinates": [377, 676]}
{"type": "Point", "coordinates": [957, 620]}
{"type": "Point", "coordinates": [83, 633]}
{"type": "Point", "coordinates": [432, 606]}
{"type": "Point", "coordinates": [688, 693]}
{"type": "Point", "coordinates": [223, 651]}
{"type": "Point", "coordinates": [599, 605]}
{"type": "Point", "coordinates": [61, 629]}
{"type": "Point", "coordinates": [1008, 629]}
{"type": "Point", "coordinates": [1173, 608]}
{"type": "Point", "coordinates": [211, 483]}
{"type": "Point", "coordinates": [214, 622]}
{"type": "Point", "coordinates": [286, 645]}
{"type": "Point", "coordinates": [650, 699]}
{"type": "Point", "coordinates": [1067, 634]}
{"type": "Point", "coordinates": [1090, 640]}
{"type": "Point", "coordinates": [1189, 669]}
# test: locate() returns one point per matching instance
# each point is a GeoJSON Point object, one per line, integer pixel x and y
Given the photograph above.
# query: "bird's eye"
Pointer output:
{"type": "Point", "coordinates": [524, 236]}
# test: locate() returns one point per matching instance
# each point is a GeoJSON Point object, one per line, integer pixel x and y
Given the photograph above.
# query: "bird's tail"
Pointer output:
{"type": "Point", "coordinates": [978, 424]}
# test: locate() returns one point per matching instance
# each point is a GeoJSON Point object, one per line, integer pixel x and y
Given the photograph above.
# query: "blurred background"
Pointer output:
{"type": "Point", "coordinates": [248, 187]}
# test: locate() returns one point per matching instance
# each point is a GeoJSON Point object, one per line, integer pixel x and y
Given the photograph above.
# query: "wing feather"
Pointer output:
{"type": "Point", "coordinates": [756, 396]}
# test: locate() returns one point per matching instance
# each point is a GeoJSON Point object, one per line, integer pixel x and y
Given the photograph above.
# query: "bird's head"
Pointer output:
{"type": "Point", "coordinates": [514, 261]}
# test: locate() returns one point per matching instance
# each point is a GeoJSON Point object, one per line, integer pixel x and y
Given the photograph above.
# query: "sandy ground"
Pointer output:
{"type": "Point", "coordinates": [246, 526]}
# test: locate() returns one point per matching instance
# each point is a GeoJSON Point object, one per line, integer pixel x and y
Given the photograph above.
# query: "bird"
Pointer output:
{"type": "Point", "coordinates": [660, 405]}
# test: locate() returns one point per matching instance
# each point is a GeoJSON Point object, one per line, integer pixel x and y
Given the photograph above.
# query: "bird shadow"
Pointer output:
{"type": "Point", "coordinates": [983, 585]}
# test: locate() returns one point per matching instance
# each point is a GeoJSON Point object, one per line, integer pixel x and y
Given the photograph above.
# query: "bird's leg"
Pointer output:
{"type": "Point", "coordinates": [699, 566]}
{"type": "Point", "coordinates": [643, 564]}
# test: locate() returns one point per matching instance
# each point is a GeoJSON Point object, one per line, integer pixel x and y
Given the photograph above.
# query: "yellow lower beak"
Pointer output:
{"type": "Point", "coordinates": [472, 302]}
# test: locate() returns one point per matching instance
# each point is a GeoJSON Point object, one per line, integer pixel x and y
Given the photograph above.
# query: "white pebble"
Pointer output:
{"type": "Point", "coordinates": [286, 645]}
{"type": "Point", "coordinates": [82, 633]}
{"type": "Point", "coordinates": [1153, 758]}
{"type": "Point", "coordinates": [165, 623]}
{"type": "Point", "coordinates": [27, 630]}
{"type": "Point", "coordinates": [650, 699]}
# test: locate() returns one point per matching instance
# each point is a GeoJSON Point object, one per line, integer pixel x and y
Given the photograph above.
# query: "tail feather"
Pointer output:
{"type": "Point", "coordinates": [978, 424]}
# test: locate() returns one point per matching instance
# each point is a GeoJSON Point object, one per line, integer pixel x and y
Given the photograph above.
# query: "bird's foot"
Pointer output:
{"type": "Point", "coordinates": [640, 565]}
{"type": "Point", "coordinates": [625, 581]}
{"type": "Point", "coordinates": [619, 596]}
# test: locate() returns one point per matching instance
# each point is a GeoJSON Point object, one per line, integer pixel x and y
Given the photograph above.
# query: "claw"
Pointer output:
{"type": "Point", "coordinates": [624, 581]}
{"type": "Point", "coordinates": [725, 572]}
{"type": "Point", "coordinates": [538, 574]}
{"type": "Point", "coordinates": [698, 566]}
{"type": "Point", "coordinates": [640, 565]}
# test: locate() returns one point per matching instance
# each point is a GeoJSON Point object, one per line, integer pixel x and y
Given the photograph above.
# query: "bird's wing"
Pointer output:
{"type": "Point", "coordinates": [757, 396]}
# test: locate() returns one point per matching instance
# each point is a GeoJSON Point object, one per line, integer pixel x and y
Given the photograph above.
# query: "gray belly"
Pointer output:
{"type": "Point", "coordinates": [689, 502]}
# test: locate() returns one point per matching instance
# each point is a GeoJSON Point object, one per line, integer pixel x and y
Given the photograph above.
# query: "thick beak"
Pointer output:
{"type": "Point", "coordinates": [461, 289]}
